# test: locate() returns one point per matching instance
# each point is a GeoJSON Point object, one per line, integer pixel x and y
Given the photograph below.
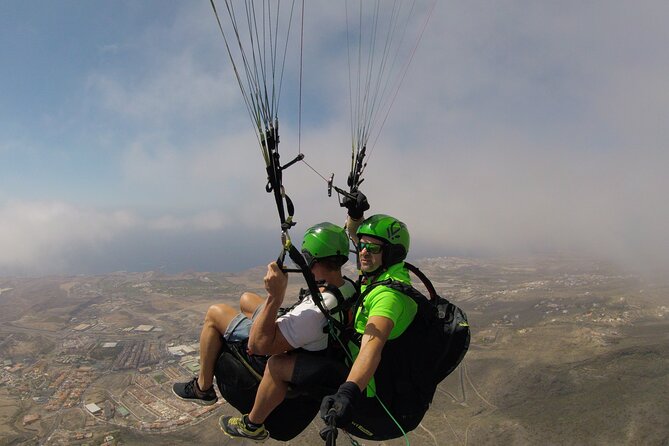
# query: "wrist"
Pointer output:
{"type": "Point", "coordinates": [350, 390]}
{"type": "Point", "coordinates": [274, 300]}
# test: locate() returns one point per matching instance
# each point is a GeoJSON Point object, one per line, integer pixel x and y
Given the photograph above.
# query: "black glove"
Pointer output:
{"type": "Point", "coordinates": [356, 204]}
{"type": "Point", "coordinates": [341, 404]}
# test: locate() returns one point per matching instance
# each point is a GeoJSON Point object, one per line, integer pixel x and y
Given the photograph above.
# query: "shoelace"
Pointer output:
{"type": "Point", "coordinates": [190, 387]}
{"type": "Point", "coordinates": [239, 424]}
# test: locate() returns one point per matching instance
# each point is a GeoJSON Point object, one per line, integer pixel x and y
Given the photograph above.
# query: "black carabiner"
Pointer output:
{"type": "Point", "coordinates": [329, 433]}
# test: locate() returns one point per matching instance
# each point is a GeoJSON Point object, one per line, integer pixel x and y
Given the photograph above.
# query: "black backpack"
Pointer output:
{"type": "Point", "coordinates": [449, 328]}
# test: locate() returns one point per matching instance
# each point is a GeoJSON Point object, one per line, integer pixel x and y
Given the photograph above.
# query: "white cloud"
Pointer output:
{"type": "Point", "coordinates": [173, 72]}
{"type": "Point", "coordinates": [532, 128]}
{"type": "Point", "coordinates": [35, 235]}
{"type": "Point", "coordinates": [505, 197]}
{"type": "Point", "coordinates": [56, 237]}
{"type": "Point", "coordinates": [203, 221]}
{"type": "Point", "coordinates": [520, 126]}
{"type": "Point", "coordinates": [227, 172]}
{"type": "Point", "coordinates": [177, 88]}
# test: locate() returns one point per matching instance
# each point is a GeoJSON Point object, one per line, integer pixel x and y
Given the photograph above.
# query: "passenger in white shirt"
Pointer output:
{"type": "Point", "coordinates": [258, 338]}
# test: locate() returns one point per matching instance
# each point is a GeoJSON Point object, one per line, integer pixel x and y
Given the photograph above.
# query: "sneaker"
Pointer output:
{"type": "Point", "coordinates": [236, 427]}
{"type": "Point", "coordinates": [190, 391]}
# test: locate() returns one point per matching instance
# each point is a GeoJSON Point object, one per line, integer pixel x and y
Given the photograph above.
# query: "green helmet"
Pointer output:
{"type": "Point", "coordinates": [325, 240]}
{"type": "Point", "coordinates": [392, 231]}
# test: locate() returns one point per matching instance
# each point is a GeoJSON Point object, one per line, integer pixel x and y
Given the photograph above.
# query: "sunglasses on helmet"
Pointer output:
{"type": "Point", "coordinates": [309, 258]}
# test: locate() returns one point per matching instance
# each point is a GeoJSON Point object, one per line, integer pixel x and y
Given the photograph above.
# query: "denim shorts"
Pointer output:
{"type": "Point", "coordinates": [240, 326]}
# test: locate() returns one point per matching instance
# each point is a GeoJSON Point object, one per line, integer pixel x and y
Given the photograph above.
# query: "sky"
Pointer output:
{"type": "Point", "coordinates": [519, 128]}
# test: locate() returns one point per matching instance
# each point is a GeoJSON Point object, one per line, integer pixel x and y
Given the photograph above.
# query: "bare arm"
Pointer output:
{"type": "Point", "coordinates": [265, 338]}
{"type": "Point", "coordinates": [377, 330]}
{"type": "Point", "coordinates": [352, 226]}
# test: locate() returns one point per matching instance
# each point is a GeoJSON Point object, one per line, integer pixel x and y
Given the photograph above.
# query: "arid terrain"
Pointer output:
{"type": "Point", "coordinates": [564, 351]}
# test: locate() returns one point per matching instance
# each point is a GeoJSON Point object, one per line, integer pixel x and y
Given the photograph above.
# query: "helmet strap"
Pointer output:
{"type": "Point", "coordinates": [377, 272]}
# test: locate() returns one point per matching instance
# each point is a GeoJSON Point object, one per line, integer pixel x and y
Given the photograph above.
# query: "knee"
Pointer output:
{"type": "Point", "coordinates": [211, 313]}
{"type": "Point", "coordinates": [280, 366]}
{"type": "Point", "coordinates": [215, 314]}
{"type": "Point", "coordinates": [273, 362]}
{"type": "Point", "coordinates": [244, 301]}
{"type": "Point", "coordinates": [248, 302]}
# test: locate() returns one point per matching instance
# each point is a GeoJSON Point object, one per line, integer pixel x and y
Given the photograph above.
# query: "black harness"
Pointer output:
{"type": "Point", "coordinates": [339, 318]}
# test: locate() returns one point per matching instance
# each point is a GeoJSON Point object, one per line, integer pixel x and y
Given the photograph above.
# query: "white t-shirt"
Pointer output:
{"type": "Point", "coordinates": [303, 325]}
